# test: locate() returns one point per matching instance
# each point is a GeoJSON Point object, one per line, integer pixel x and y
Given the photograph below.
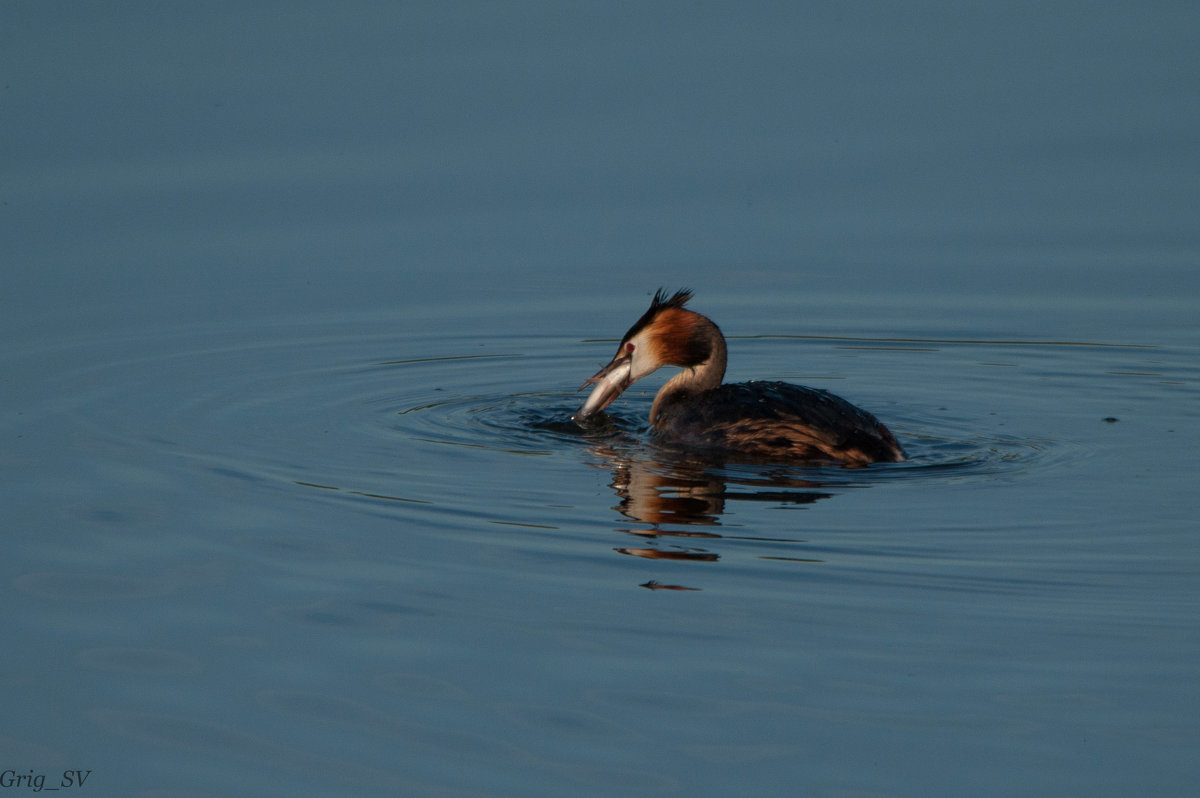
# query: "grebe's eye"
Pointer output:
{"type": "Point", "coordinates": [629, 348]}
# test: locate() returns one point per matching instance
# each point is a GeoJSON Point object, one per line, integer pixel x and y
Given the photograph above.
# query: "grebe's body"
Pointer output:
{"type": "Point", "coordinates": [754, 420]}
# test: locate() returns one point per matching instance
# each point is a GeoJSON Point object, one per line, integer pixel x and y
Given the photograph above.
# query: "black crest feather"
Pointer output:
{"type": "Point", "coordinates": [660, 303]}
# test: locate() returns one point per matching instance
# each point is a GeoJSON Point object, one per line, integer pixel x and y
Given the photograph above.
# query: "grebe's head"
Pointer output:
{"type": "Point", "coordinates": [666, 335]}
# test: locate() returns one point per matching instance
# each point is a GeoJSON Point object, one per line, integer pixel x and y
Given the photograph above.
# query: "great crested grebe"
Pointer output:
{"type": "Point", "coordinates": [757, 420]}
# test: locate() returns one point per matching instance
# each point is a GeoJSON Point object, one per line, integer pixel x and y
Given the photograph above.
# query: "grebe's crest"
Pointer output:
{"type": "Point", "coordinates": [660, 303]}
{"type": "Point", "coordinates": [668, 333]}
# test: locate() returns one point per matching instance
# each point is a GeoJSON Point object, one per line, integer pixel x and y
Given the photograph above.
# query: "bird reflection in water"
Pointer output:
{"type": "Point", "coordinates": [667, 493]}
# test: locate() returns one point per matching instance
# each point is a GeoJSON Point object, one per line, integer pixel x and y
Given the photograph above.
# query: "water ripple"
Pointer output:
{"type": "Point", "coordinates": [320, 407]}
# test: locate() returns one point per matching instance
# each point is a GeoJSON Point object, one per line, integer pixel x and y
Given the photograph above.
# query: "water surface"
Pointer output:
{"type": "Point", "coordinates": [296, 305]}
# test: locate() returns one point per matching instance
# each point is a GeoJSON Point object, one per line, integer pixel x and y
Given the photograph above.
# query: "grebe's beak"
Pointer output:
{"type": "Point", "coordinates": [609, 381]}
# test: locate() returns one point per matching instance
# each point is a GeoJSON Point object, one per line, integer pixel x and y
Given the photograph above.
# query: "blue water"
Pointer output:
{"type": "Point", "coordinates": [296, 299]}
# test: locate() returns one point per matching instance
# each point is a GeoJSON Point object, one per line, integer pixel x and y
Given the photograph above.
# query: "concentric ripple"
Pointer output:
{"type": "Point", "coordinates": [357, 407]}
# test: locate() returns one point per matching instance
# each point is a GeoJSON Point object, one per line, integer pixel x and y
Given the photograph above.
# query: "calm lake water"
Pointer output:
{"type": "Point", "coordinates": [296, 299]}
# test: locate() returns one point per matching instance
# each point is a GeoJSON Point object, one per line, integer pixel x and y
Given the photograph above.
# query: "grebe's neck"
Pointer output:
{"type": "Point", "coordinates": [700, 376]}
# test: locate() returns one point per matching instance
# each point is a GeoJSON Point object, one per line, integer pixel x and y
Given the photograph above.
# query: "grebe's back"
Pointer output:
{"type": "Point", "coordinates": [775, 421]}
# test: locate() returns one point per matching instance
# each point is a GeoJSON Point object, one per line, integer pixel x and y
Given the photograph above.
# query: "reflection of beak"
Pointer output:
{"type": "Point", "coordinates": [610, 381]}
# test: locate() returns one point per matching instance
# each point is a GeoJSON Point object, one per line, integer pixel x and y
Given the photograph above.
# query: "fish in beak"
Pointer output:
{"type": "Point", "coordinates": [609, 382]}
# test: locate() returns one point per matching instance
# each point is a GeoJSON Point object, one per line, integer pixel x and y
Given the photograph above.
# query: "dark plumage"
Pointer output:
{"type": "Point", "coordinates": [767, 420]}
